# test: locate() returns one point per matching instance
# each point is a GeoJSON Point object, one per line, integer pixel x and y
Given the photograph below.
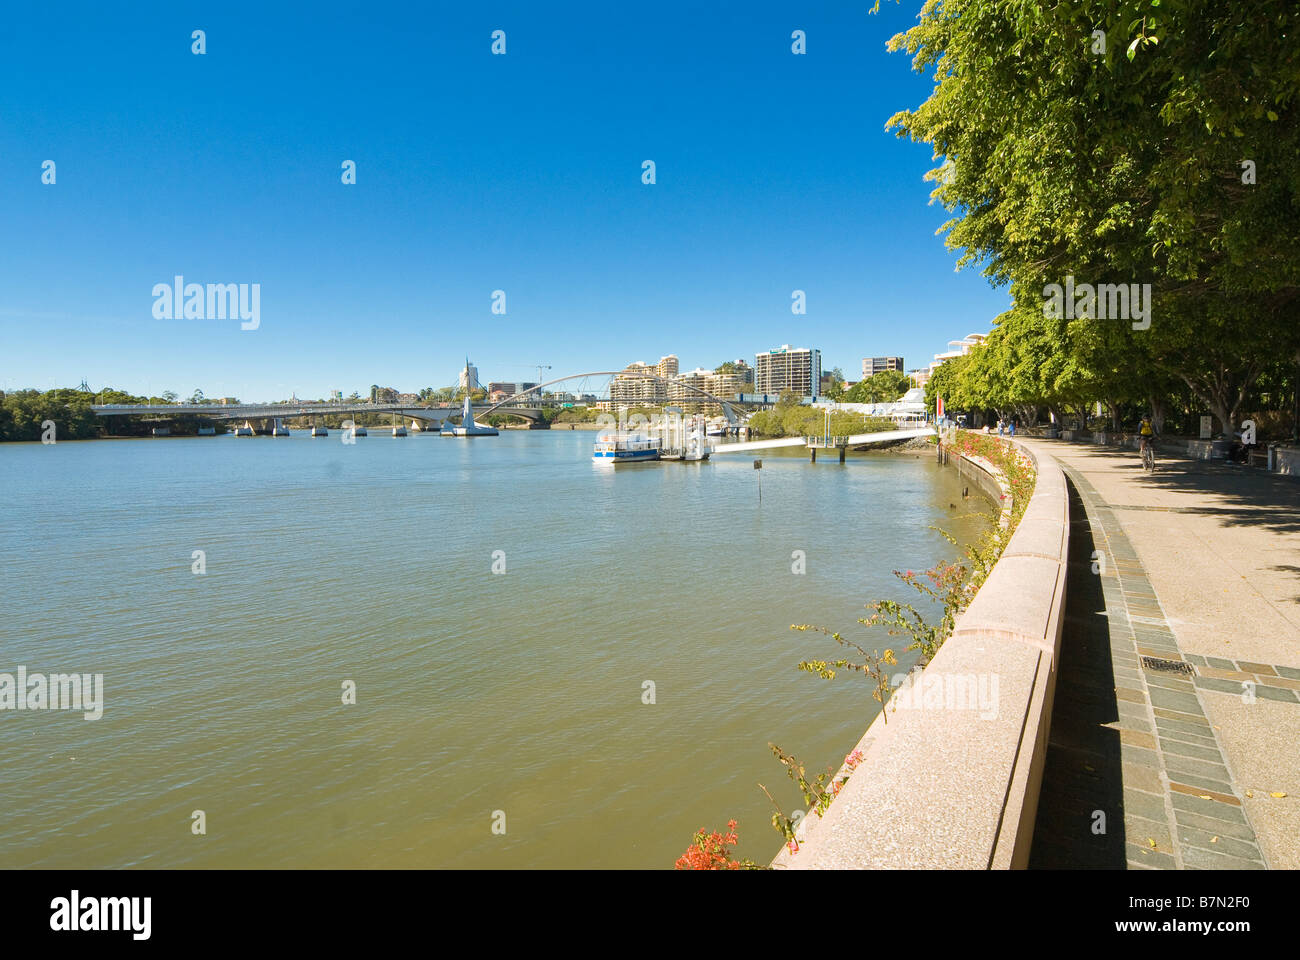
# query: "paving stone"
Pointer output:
{"type": "Point", "coordinates": [1218, 843]}
{"type": "Point", "coordinates": [1139, 724]}
{"type": "Point", "coordinates": [1201, 783]}
{"type": "Point", "coordinates": [1133, 711]}
{"type": "Point", "coordinates": [1216, 827]}
{"type": "Point", "coordinates": [1180, 749]}
{"type": "Point", "coordinates": [1262, 669]}
{"type": "Point", "coordinates": [1291, 673]}
{"type": "Point", "coordinates": [1141, 778]}
{"type": "Point", "coordinates": [1193, 658]}
{"type": "Point", "coordinates": [1220, 663]}
{"type": "Point", "coordinates": [1139, 830]}
{"type": "Point", "coordinates": [1149, 806]}
{"type": "Point", "coordinates": [1169, 682]}
{"type": "Point", "coordinates": [1149, 858]}
{"type": "Point", "coordinates": [1221, 796]}
{"type": "Point", "coordinates": [1185, 766]}
{"type": "Point", "coordinates": [1137, 738]}
{"type": "Point", "coordinates": [1276, 693]}
{"type": "Point", "coordinates": [1196, 856]}
{"type": "Point", "coordinates": [1169, 700]}
{"type": "Point", "coordinates": [1199, 729]}
{"type": "Point", "coordinates": [1219, 685]}
{"type": "Point", "coordinates": [1207, 808]}
{"type": "Point", "coordinates": [1189, 738]}
{"type": "Point", "coordinates": [1143, 758]}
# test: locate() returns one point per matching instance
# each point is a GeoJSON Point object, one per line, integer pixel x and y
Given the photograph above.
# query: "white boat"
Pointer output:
{"type": "Point", "coordinates": [468, 428]}
{"type": "Point", "coordinates": [625, 448]}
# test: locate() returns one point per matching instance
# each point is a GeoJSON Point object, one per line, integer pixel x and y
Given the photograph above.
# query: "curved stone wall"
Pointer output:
{"type": "Point", "coordinates": [951, 770]}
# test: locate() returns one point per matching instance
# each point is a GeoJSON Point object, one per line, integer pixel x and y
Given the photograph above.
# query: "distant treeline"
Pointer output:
{"type": "Point", "coordinates": [23, 413]}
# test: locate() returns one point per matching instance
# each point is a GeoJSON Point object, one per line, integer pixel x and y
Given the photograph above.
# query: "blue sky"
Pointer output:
{"type": "Point", "coordinates": [474, 173]}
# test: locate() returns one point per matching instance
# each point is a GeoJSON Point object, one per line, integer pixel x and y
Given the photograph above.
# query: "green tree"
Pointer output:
{"type": "Point", "coordinates": [1159, 152]}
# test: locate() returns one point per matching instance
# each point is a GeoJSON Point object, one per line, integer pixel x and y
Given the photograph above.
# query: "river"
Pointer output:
{"type": "Point", "coordinates": [512, 700]}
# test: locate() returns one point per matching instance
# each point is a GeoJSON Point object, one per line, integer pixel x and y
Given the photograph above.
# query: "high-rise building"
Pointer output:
{"type": "Point", "coordinates": [788, 368]}
{"type": "Point", "coordinates": [506, 389]}
{"type": "Point", "coordinates": [639, 383]}
{"type": "Point", "coordinates": [469, 377]}
{"type": "Point", "coordinates": [667, 366]}
{"type": "Point", "coordinates": [873, 365]}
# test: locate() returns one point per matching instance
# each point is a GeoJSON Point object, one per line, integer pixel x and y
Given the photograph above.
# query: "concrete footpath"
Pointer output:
{"type": "Point", "coordinates": [1175, 738]}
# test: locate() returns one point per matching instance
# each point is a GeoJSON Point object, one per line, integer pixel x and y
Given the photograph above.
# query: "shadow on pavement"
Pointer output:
{"type": "Point", "coordinates": [1083, 771]}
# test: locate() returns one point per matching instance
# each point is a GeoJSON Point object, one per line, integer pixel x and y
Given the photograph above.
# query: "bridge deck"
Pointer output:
{"type": "Point", "coordinates": [856, 440]}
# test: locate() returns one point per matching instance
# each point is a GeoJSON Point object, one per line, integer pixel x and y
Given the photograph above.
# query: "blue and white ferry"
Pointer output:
{"type": "Point", "coordinates": [622, 448]}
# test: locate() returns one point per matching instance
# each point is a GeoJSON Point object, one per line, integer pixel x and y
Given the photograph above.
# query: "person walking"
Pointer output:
{"type": "Point", "coordinates": [1011, 428]}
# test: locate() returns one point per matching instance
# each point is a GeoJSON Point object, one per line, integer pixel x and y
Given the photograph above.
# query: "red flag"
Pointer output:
{"type": "Point", "coordinates": [938, 408]}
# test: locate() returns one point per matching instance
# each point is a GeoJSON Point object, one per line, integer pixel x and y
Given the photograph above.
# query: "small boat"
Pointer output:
{"type": "Point", "coordinates": [624, 448]}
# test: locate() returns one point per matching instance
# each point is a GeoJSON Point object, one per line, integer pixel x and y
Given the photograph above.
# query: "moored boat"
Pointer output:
{"type": "Point", "coordinates": [623, 448]}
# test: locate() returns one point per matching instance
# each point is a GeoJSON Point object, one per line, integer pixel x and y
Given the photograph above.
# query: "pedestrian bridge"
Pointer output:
{"type": "Point", "coordinates": [284, 411]}
{"type": "Point", "coordinates": [815, 443]}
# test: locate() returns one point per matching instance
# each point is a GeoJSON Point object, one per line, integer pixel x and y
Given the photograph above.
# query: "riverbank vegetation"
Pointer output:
{"type": "Point", "coordinates": [24, 413]}
{"type": "Point", "coordinates": [788, 418]}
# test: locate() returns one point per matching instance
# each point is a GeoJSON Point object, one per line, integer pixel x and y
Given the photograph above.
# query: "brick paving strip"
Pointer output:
{"type": "Point", "coordinates": [1180, 808]}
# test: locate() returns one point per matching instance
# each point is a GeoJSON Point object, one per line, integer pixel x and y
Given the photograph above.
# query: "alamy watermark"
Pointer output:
{"type": "Point", "coordinates": [55, 691]}
{"type": "Point", "coordinates": [1105, 301]}
{"type": "Point", "coordinates": [921, 690]}
{"type": "Point", "coordinates": [213, 301]}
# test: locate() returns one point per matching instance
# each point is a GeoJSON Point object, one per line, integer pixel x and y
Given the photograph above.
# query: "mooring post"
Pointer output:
{"type": "Point", "coordinates": [812, 454]}
{"type": "Point", "coordinates": [842, 451]}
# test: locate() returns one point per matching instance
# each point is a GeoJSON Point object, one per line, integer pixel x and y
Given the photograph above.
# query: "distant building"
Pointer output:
{"type": "Point", "coordinates": [874, 365]}
{"type": "Point", "coordinates": [788, 368]}
{"type": "Point", "coordinates": [500, 386]}
{"type": "Point", "coordinates": [920, 377]}
{"type": "Point", "coordinates": [639, 383]}
{"type": "Point", "coordinates": [408, 398]}
{"type": "Point", "coordinates": [667, 366]}
{"type": "Point", "coordinates": [468, 377]}
{"type": "Point", "coordinates": [956, 348]}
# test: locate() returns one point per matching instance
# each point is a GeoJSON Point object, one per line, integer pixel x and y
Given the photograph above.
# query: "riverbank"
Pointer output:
{"type": "Point", "coordinates": [948, 773]}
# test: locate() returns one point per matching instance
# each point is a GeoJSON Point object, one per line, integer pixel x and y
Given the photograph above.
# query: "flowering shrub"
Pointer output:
{"type": "Point", "coordinates": [712, 851]}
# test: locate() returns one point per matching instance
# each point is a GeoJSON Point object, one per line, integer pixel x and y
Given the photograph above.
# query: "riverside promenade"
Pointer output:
{"type": "Point", "coordinates": [1177, 710]}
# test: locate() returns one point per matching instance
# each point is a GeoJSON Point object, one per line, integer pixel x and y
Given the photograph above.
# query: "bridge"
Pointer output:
{"type": "Point", "coordinates": [841, 444]}
{"type": "Point", "coordinates": [435, 413]}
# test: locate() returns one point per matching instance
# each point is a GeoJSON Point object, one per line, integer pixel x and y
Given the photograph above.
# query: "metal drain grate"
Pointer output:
{"type": "Point", "coordinates": [1167, 666]}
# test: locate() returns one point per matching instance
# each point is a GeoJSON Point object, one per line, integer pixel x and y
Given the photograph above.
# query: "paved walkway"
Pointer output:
{"type": "Point", "coordinates": [1177, 712]}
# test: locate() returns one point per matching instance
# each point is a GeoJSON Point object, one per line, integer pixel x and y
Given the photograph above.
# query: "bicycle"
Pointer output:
{"type": "Point", "coordinates": [1148, 454]}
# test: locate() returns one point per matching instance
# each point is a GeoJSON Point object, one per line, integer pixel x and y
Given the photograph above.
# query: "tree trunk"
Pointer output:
{"type": "Point", "coordinates": [1157, 412]}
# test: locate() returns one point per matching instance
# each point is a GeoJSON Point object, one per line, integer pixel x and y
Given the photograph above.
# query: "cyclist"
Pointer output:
{"type": "Point", "coordinates": [1147, 435]}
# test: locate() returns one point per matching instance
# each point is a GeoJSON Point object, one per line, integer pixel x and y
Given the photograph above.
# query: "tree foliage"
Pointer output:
{"type": "Point", "coordinates": [1119, 141]}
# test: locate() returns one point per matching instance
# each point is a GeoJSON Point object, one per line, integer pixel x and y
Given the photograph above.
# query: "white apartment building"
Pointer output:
{"type": "Point", "coordinates": [788, 368]}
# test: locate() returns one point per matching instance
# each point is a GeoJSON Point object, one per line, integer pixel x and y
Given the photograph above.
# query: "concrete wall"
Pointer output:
{"type": "Point", "coordinates": [1287, 461]}
{"type": "Point", "coordinates": [952, 768]}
